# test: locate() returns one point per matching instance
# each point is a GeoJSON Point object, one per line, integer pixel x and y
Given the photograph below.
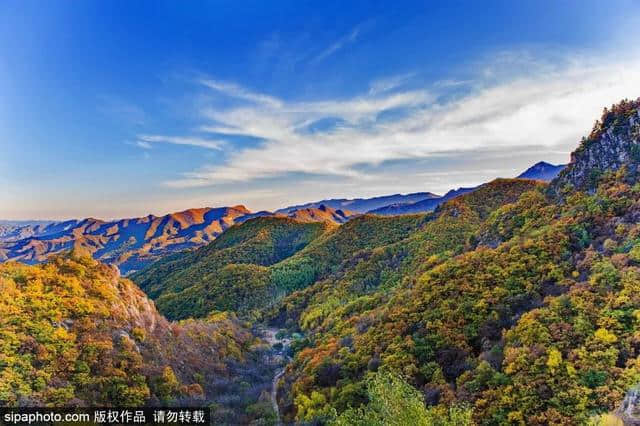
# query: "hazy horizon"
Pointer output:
{"type": "Point", "coordinates": [272, 208]}
{"type": "Point", "coordinates": [219, 105]}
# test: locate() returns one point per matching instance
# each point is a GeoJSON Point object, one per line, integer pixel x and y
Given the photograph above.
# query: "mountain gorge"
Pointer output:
{"type": "Point", "coordinates": [516, 302]}
{"type": "Point", "coordinates": [319, 213]}
{"type": "Point", "coordinates": [253, 265]}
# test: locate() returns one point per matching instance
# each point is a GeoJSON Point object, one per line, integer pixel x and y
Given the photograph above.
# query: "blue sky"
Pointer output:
{"type": "Point", "coordinates": [117, 109]}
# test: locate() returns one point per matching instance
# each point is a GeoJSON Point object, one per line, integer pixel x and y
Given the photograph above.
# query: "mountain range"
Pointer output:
{"type": "Point", "coordinates": [422, 202]}
{"type": "Point", "coordinates": [18, 230]}
{"type": "Point", "coordinates": [127, 243]}
{"type": "Point", "coordinates": [422, 206]}
{"type": "Point", "coordinates": [132, 244]}
{"type": "Point", "coordinates": [364, 205]}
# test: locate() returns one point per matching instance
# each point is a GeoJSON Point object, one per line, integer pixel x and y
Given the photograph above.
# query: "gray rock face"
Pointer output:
{"type": "Point", "coordinates": [614, 143]}
{"type": "Point", "coordinates": [629, 411]}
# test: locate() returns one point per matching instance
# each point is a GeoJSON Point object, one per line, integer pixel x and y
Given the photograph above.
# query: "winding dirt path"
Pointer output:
{"type": "Point", "coordinates": [270, 337]}
{"type": "Point", "coordinates": [274, 394]}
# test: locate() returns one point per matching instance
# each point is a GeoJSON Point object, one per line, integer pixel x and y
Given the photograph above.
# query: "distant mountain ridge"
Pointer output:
{"type": "Point", "coordinates": [132, 244]}
{"type": "Point", "coordinates": [542, 171]}
{"type": "Point", "coordinates": [320, 214]}
{"type": "Point", "coordinates": [17, 230]}
{"type": "Point", "coordinates": [364, 205]}
{"type": "Point", "coordinates": [127, 243]}
{"type": "Point", "coordinates": [420, 206]}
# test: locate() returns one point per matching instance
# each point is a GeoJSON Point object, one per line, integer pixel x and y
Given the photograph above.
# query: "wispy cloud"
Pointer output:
{"type": "Point", "coordinates": [547, 107]}
{"type": "Point", "coordinates": [389, 83]}
{"type": "Point", "coordinates": [343, 41]}
{"type": "Point", "coordinates": [145, 141]}
{"type": "Point", "coordinates": [235, 91]}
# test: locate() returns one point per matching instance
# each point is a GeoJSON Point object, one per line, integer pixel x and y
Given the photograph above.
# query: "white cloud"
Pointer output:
{"type": "Point", "coordinates": [145, 141]}
{"type": "Point", "coordinates": [339, 44]}
{"type": "Point", "coordinates": [549, 107]}
{"type": "Point", "coordinates": [235, 91]}
{"type": "Point", "coordinates": [389, 83]}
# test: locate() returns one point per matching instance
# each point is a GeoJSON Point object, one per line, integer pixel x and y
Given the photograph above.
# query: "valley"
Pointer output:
{"type": "Point", "coordinates": [495, 298]}
{"type": "Point", "coordinates": [134, 243]}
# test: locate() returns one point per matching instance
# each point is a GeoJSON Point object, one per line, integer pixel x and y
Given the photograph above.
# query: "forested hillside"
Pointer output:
{"type": "Point", "coordinates": [256, 263]}
{"type": "Point", "coordinates": [320, 213]}
{"type": "Point", "coordinates": [514, 303]}
{"type": "Point", "coordinates": [231, 273]}
{"type": "Point", "coordinates": [531, 319]}
{"type": "Point", "coordinates": [72, 333]}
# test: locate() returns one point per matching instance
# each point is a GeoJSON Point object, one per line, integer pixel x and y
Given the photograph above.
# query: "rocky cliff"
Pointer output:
{"type": "Point", "coordinates": [613, 144]}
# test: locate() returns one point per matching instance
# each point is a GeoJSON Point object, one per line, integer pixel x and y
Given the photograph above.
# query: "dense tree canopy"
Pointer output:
{"type": "Point", "coordinates": [73, 333]}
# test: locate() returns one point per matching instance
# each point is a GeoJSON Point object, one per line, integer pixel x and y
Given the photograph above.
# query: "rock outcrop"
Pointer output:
{"type": "Point", "coordinates": [629, 411]}
{"type": "Point", "coordinates": [613, 144]}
